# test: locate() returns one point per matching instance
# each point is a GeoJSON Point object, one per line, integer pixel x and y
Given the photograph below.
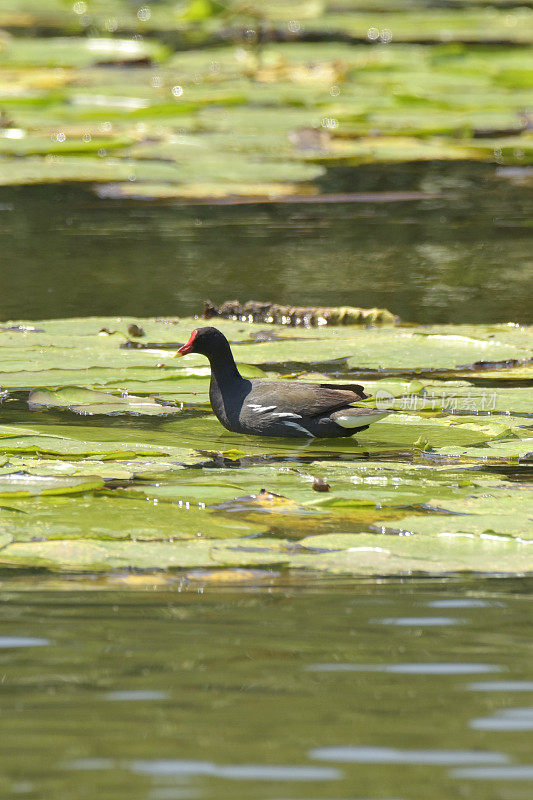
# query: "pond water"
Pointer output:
{"type": "Point", "coordinates": [285, 689]}
{"type": "Point", "coordinates": [462, 255]}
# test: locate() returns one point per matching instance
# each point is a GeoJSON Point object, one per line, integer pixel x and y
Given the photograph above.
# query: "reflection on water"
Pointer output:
{"type": "Point", "coordinates": [284, 690]}
{"type": "Point", "coordinates": [390, 755]}
{"type": "Point", "coordinates": [238, 772]}
{"type": "Point", "coordinates": [22, 641]}
{"type": "Point", "coordinates": [461, 602]}
{"type": "Point", "coordinates": [408, 669]}
{"type": "Point", "coordinates": [140, 694]}
{"type": "Point", "coordinates": [501, 686]}
{"type": "Point", "coordinates": [177, 767]}
{"type": "Point", "coordinates": [524, 773]}
{"type": "Point", "coordinates": [464, 256]}
{"type": "Point", "coordinates": [419, 621]}
{"type": "Point", "coordinates": [506, 719]}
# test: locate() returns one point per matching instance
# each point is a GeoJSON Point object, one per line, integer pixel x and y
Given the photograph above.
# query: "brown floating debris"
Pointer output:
{"type": "Point", "coordinates": [135, 331]}
{"type": "Point", "coordinates": [142, 61]}
{"type": "Point", "coordinates": [320, 485]}
{"type": "Point", "coordinates": [306, 316]}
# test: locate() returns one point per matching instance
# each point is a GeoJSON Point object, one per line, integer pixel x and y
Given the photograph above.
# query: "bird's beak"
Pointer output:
{"type": "Point", "coordinates": [186, 348]}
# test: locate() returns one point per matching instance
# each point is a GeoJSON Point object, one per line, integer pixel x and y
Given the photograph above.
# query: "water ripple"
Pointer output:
{"type": "Point", "coordinates": [507, 719]}
{"type": "Point", "coordinates": [168, 767]}
{"type": "Point", "coordinates": [518, 773]}
{"type": "Point", "coordinates": [22, 641]}
{"type": "Point", "coordinates": [407, 621]}
{"type": "Point", "coordinates": [248, 772]}
{"type": "Point", "coordinates": [434, 668]}
{"type": "Point", "coordinates": [501, 686]}
{"type": "Point", "coordinates": [139, 694]}
{"type": "Point", "coordinates": [462, 603]}
{"type": "Point", "coordinates": [392, 755]}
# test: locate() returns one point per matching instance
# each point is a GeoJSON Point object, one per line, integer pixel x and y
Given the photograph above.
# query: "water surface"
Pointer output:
{"type": "Point", "coordinates": [283, 689]}
{"type": "Point", "coordinates": [463, 255]}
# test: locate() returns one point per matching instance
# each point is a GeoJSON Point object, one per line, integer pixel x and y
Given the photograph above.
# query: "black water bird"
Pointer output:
{"type": "Point", "coordinates": [277, 408]}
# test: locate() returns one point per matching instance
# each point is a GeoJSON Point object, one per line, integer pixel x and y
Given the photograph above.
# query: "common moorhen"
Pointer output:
{"type": "Point", "coordinates": [277, 408]}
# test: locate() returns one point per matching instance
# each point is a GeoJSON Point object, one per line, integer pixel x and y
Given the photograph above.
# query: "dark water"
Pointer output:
{"type": "Point", "coordinates": [408, 690]}
{"type": "Point", "coordinates": [462, 256]}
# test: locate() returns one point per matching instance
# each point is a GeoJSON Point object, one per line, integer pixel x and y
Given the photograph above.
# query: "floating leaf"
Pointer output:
{"type": "Point", "coordinates": [91, 555]}
{"type": "Point", "coordinates": [122, 469]}
{"type": "Point", "coordinates": [506, 451]}
{"type": "Point", "coordinates": [87, 401]}
{"type": "Point", "coordinates": [20, 484]}
{"type": "Point", "coordinates": [499, 512]}
{"type": "Point", "coordinates": [436, 432]}
{"type": "Point", "coordinates": [5, 539]}
{"type": "Point", "coordinates": [114, 517]}
{"type": "Point", "coordinates": [407, 555]}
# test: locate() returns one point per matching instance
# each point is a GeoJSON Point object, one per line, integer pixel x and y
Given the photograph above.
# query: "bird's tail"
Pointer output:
{"type": "Point", "coordinates": [357, 417]}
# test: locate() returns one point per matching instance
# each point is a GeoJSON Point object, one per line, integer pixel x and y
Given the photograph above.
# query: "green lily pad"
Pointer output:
{"type": "Point", "coordinates": [76, 52]}
{"type": "Point", "coordinates": [21, 484]}
{"type": "Point", "coordinates": [517, 525]}
{"type": "Point", "coordinates": [368, 554]}
{"type": "Point", "coordinates": [110, 518]}
{"type": "Point", "coordinates": [56, 445]}
{"type": "Point", "coordinates": [87, 401]}
{"type": "Point", "coordinates": [435, 432]}
{"type": "Point", "coordinates": [506, 451]}
{"type": "Point", "coordinates": [502, 511]}
{"type": "Point", "coordinates": [122, 469]}
{"type": "Point", "coordinates": [89, 555]}
{"type": "Point", "coordinates": [5, 539]}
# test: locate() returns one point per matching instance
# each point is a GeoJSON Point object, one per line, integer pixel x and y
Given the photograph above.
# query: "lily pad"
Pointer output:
{"type": "Point", "coordinates": [436, 432]}
{"type": "Point", "coordinates": [408, 555]}
{"type": "Point", "coordinates": [110, 518]}
{"type": "Point", "coordinates": [90, 555]}
{"type": "Point", "coordinates": [502, 512]}
{"type": "Point", "coordinates": [87, 401]}
{"type": "Point", "coordinates": [506, 451]}
{"type": "Point", "coordinates": [122, 469]}
{"type": "Point", "coordinates": [5, 539]}
{"type": "Point", "coordinates": [76, 52]}
{"type": "Point", "coordinates": [21, 484]}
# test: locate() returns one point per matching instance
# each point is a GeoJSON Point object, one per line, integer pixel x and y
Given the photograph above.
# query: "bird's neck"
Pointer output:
{"type": "Point", "coordinates": [224, 370]}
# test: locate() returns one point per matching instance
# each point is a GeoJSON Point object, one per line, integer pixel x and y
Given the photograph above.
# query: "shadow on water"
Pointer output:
{"type": "Point", "coordinates": [463, 256]}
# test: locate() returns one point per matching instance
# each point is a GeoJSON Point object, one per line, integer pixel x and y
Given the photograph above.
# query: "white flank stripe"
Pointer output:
{"type": "Point", "coordinates": [257, 407]}
{"type": "Point", "coordinates": [298, 427]}
{"type": "Point", "coordinates": [359, 420]}
{"type": "Point", "coordinates": [287, 414]}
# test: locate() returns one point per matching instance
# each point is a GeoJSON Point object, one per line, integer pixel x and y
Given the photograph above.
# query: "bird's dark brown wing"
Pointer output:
{"type": "Point", "coordinates": [306, 399]}
{"type": "Point", "coordinates": [347, 387]}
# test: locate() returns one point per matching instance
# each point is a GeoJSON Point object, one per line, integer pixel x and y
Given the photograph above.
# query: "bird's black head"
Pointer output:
{"type": "Point", "coordinates": [207, 341]}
